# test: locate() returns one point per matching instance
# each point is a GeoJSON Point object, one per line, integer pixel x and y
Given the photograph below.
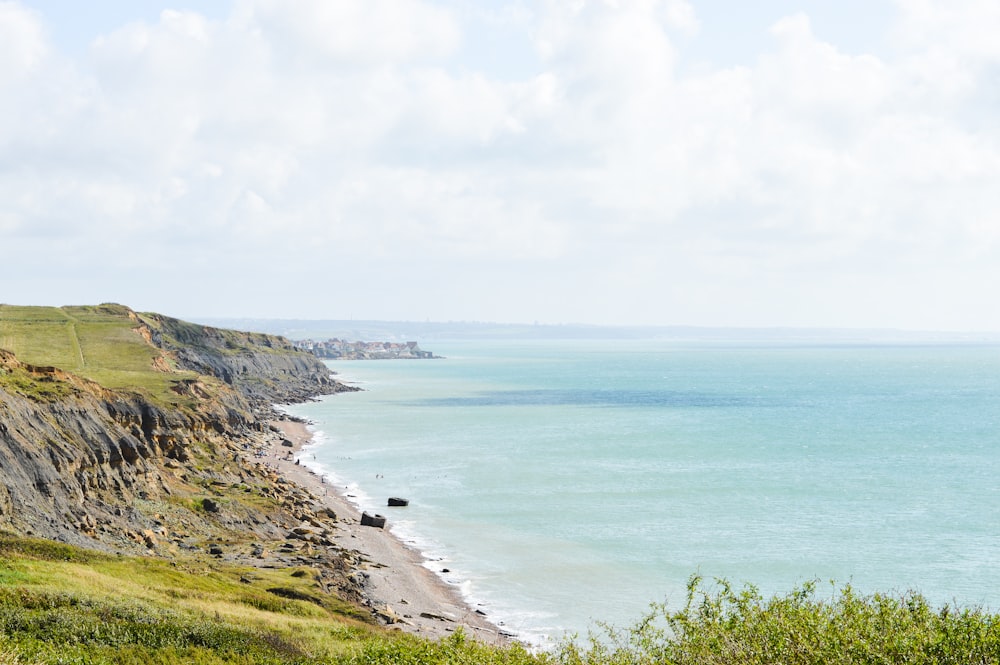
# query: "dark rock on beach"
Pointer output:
{"type": "Point", "coordinates": [377, 521]}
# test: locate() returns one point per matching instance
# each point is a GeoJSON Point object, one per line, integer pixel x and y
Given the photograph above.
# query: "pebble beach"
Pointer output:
{"type": "Point", "coordinates": [405, 594]}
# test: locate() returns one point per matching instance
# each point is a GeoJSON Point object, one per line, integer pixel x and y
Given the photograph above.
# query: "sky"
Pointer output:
{"type": "Point", "coordinates": [640, 162]}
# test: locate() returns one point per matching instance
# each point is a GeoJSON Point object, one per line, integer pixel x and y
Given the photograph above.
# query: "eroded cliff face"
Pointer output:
{"type": "Point", "coordinates": [265, 369]}
{"type": "Point", "coordinates": [90, 466]}
{"type": "Point", "coordinates": [112, 470]}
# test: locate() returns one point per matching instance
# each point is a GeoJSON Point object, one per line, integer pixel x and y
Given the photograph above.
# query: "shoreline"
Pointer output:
{"type": "Point", "coordinates": [402, 592]}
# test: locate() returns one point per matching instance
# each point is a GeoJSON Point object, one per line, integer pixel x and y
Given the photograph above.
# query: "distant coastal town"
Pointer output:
{"type": "Point", "coordinates": [343, 350]}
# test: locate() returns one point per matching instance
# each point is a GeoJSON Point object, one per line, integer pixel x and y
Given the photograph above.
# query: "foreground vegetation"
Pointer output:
{"type": "Point", "coordinates": [60, 604]}
{"type": "Point", "coordinates": [724, 626]}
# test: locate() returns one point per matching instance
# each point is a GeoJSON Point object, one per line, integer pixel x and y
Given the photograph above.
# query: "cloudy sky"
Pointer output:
{"type": "Point", "coordinates": [702, 162]}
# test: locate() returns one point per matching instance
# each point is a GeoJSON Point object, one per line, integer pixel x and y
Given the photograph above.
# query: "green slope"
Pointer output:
{"type": "Point", "coordinates": [60, 604]}
{"type": "Point", "coordinates": [101, 343]}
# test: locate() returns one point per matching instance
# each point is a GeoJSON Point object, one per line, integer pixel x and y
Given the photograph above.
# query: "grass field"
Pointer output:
{"type": "Point", "coordinates": [99, 343]}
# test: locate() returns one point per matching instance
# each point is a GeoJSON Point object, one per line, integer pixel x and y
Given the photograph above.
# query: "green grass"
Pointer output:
{"type": "Point", "coordinates": [102, 343]}
{"type": "Point", "coordinates": [39, 335]}
{"type": "Point", "coordinates": [60, 604]}
{"type": "Point", "coordinates": [98, 343]}
{"type": "Point", "coordinates": [38, 388]}
{"type": "Point", "coordinates": [57, 600]}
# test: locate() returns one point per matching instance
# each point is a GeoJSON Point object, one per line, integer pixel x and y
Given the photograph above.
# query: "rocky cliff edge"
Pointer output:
{"type": "Point", "coordinates": [168, 472]}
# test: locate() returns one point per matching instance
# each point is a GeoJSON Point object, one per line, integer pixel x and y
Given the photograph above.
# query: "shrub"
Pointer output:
{"type": "Point", "coordinates": [728, 627]}
{"type": "Point", "coordinates": [48, 627]}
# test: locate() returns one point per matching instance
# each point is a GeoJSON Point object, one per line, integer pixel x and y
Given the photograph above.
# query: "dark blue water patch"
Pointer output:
{"type": "Point", "coordinates": [583, 397]}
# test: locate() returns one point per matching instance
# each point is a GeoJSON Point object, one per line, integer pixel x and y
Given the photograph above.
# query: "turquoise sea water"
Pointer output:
{"type": "Point", "coordinates": [566, 482]}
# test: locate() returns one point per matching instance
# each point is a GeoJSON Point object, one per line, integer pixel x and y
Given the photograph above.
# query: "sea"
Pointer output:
{"type": "Point", "coordinates": [565, 485]}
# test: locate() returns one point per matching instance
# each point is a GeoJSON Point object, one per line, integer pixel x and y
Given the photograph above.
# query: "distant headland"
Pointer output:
{"type": "Point", "coordinates": [341, 349]}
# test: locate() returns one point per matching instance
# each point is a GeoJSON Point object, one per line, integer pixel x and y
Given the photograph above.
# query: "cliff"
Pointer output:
{"type": "Point", "coordinates": [76, 465]}
{"type": "Point", "coordinates": [130, 432]}
{"type": "Point", "coordinates": [264, 369]}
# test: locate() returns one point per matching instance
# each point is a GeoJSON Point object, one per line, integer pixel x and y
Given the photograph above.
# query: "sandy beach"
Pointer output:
{"type": "Point", "coordinates": [397, 584]}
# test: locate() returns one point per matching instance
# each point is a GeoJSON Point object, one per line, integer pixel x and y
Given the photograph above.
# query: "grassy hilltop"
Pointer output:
{"type": "Point", "coordinates": [137, 352]}
{"type": "Point", "coordinates": [139, 417]}
{"type": "Point", "coordinates": [96, 343]}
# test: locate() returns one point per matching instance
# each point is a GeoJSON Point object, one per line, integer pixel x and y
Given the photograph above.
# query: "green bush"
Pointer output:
{"type": "Point", "coordinates": [454, 650]}
{"type": "Point", "coordinates": [51, 627]}
{"type": "Point", "coordinates": [728, 627]}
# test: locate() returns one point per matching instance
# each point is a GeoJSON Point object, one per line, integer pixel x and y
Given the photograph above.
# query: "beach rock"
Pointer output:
{"type": "Point", "coordinates": [377, 521]}
{"type": "Point", "coordinates": [287, 444]}
{"type": "Point", "coordinates": [307, 533]}
{"type": "Point", "coordinates": [387, 615]}
{"type": "Point", "coordinates": [436, 617]}
{"type": "Point", "coordinates": [396, 501]}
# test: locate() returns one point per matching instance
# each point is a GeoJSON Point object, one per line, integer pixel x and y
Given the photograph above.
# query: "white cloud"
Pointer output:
{"type": "Point", "coordinates": [681, 15]}
{"type": "Point", "coordinates": [772, 192]}
{"type": "Point", "coordinates": [964, 28]}
{"type": "Point", "coordinates": [352, 32]}
{"type": "Point", "coordinates": [812, 74]}
{"type": "Point", "coordinates": [23, 46]}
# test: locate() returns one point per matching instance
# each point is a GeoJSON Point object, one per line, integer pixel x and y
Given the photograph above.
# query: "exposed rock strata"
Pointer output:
{"type": "Point", "coordinates": [111, 470]}
{"type": "Point", "coordinates": [265, 369]}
